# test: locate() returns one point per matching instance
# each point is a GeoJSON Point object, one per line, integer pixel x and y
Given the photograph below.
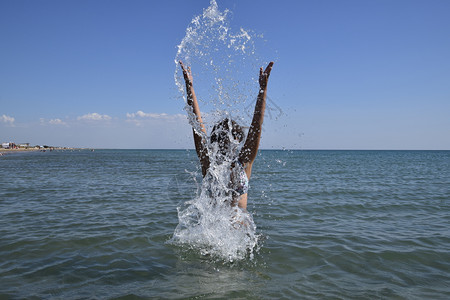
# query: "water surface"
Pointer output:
{"type": "Point", "coordinates": [333, 224]}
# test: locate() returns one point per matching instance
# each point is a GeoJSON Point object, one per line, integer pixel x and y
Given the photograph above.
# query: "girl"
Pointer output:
{"type": "Point", "coordinates": [226, 134]}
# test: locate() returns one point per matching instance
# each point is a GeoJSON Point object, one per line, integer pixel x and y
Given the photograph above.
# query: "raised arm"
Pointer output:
{"type": "Point", "coordinates": [251, 145]}
{"type": "Point", "coordinates": [200, 144]}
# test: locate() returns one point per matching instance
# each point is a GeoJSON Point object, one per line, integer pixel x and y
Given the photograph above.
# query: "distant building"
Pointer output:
{"type": "Point", "coordinates": [24, 145]}
{"type": "Point", "coordinates": [9, 145]}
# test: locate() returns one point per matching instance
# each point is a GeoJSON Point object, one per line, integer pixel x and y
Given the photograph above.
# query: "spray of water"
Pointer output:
{"type": "Point", "coordinates": [224, 62]}
{"type": "Point", "coordinates": [225, 65]}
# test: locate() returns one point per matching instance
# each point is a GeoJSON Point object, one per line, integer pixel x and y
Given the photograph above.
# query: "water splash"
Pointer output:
{"type": "Point", "coordinates": [212, 226]}
{"type": "Point", "coordinates": [224, 63]}
{"type": "Point", "coordinates": [225, 69]}
{"type": "Point", "coordinates": [209, 223]}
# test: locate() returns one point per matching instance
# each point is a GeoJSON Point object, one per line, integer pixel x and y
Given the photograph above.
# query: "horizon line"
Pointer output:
{"type": "Point", "coordinates": [264, 149]}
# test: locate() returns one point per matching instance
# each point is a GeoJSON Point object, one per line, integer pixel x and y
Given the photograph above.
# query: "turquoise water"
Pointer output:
{"type": "Point", "coordinates": [332, 224]}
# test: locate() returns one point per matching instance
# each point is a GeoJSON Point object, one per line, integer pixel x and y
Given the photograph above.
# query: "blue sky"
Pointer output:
{"type": "Point", "coordinates": [347, 74]}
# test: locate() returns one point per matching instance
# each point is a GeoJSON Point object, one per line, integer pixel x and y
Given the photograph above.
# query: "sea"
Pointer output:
{"type": "Point", "coordinates": [327, 225]}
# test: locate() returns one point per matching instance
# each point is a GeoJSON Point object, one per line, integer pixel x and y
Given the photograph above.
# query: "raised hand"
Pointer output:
{"type": "Point", "coordinates": [187, 74]}
{"type": "Point", "coordinates": [264, 75]}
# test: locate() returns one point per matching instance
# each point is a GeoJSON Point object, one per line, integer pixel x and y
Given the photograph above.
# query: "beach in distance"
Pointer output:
{"type": "Point", "coordinates": [331, 224]}
{"type": "Point", "coordinates": [37, 148]}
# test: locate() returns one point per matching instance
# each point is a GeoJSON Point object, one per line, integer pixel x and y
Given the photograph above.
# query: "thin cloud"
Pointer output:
{"type": "Point", "coordinates": [161, 116]}
{"type": "Point", "coordinates": [7, 119]}
{"type": "Point", "coordinates": [142, 114]}
{"type": "Point", "coordinates": [57, 122]}
{"type": "Point", "coordinates": [94, 117]}
{"type": "Point", "coordinates": [141, 118]}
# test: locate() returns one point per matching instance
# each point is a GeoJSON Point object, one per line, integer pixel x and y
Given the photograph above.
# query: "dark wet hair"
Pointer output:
{"type": "Point", "coordinates": [221, 130]}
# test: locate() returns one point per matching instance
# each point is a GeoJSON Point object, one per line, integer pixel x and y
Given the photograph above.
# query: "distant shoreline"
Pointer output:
{"type": "Point", "coordinates": [18, 150]}
{"type": "Point", "coordinates": [3, 150]}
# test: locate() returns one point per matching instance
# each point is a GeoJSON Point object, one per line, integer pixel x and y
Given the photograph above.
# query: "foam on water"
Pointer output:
{"type": "Point", "coordinates": [224, 65]}
{"type": "Point", "coordinates": [211, 225]}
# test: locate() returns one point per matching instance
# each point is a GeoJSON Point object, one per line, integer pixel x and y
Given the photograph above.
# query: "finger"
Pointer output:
{"type": "Point", "coordinates": [269, 68]}
{"type": "Point", "coordinates": [182, 66]}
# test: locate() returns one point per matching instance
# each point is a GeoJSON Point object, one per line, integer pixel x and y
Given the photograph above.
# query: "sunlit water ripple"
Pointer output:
{"type": "Point", "coordinates": [333, 224]}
